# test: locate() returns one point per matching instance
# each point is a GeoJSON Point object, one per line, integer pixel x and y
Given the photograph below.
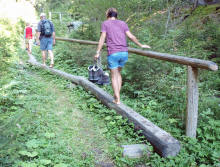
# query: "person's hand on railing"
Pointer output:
{"type": "Point", "coordinates": [145, 46]}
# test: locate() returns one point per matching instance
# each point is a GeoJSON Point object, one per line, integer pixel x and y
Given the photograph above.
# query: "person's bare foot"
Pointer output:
{"type": "Point", "coordinates": [51, 65]}
{"type": "Point", "coordinates": [44, 64]}
{"type": "Point", "coordinates": [116, 102]}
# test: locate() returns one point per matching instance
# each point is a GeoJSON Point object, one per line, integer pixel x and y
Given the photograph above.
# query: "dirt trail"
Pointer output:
{"type": "Point", "coordinates": [78, 130]}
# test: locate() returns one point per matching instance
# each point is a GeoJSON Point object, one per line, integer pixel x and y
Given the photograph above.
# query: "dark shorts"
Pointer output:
{"type": "Point", "coordinates": [46, 44]}
{"type": "Point", "coordinates": [118, 59]}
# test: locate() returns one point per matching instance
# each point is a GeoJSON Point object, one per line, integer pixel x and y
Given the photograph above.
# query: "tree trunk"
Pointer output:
{"type": "Point", "coordinates": [195, 4]}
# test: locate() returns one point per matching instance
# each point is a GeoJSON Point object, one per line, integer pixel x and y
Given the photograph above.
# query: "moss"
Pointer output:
{"type": "Point", "coordinates": [203, 15]}
{"type": "Point", "coordinates": [206, 10]}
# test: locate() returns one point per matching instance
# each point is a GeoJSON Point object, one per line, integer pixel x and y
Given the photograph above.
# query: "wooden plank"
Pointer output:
{"type": "Point", "coordinates": [192, 102]}
{"type": "Point", "coordinates": [163, 143]}
{"type": "Point", "coordinates": [204, 64]}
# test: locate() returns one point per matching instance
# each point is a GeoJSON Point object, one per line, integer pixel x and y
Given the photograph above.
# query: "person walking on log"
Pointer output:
{"type": "Point", "coordinates": [46, 38]}
{"type": "Point", "coordinates": [28, 35]}
{"type": "Point", "coordinates": [115, 32]}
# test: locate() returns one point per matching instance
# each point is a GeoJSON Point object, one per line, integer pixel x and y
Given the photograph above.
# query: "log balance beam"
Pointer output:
{"type": "Point", "coordinates": [164, 144]}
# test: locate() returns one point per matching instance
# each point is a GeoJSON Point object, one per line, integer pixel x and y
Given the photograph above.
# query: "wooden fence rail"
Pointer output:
{"type": "Point", "coordinates": [198, 63]}
{"type": "Point", "coordinates": [192, 78]}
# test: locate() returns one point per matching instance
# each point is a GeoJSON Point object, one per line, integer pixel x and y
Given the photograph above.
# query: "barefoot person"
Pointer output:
{"type": "Point", "coordinates": [46, 38]}
{"type": "Point", "coordinates": [115, 32]}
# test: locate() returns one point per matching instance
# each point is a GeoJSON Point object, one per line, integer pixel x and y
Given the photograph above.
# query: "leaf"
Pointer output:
{"type": "Point", "coordinates": [203, 165]}
{"type": "Point", "coordinates": [61, 165]}
{"type": "Point", "coordinates": [104, 130]}
{"type": "Point", "coordinates": [216, 154]}
{"type": "Point", "coordinates": [32, 143]}
{"type": "Point", "coordinates": [45, 161]}
{"type": "Point", "coordinates": [28, 154]}
{"type": "Point", "coordinates": [28, 164]}
{"type": "Point", "coordinates": [33, 154]}
{"type": "Point", "coordinates": [108, 118]}
{"type": "Point", "coordinates": [25, 153]}
{"type": "Point", "coordinates": [118, 117]}
{"type": "Point", "coordinates": [112, 123]}
{"type": "Point", "coordinates": [49, 135]}
{"type": "Point", "coordinates": [172, 120]}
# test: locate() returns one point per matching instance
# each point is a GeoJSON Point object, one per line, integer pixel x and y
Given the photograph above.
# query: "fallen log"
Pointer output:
{"type": "Point", "coordinates": [163, 143]}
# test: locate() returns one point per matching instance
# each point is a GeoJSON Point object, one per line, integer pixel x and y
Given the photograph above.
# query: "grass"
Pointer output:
{"type": "Point", "coordinates": [49, 124]}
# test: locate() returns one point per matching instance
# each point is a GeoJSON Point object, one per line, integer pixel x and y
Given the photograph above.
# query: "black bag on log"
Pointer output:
{"type": "Point", "coordinates": [97, 75]}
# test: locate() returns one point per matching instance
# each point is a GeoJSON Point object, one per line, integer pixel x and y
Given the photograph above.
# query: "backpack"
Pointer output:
{"type": "Point", "coordinates": [46, 28]}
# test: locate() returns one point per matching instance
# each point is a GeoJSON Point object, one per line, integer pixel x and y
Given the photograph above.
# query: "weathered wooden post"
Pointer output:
{"type": "Point", "coordinates": [60, 17]}
{"type": "Point", "coordinates": [50, 15]}
{"type": "Point", "coordinates": [192, 101]}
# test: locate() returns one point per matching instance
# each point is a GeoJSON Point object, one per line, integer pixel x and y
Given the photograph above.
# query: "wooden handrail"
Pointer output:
{"type": "Point", "coordinates": [198, 63]}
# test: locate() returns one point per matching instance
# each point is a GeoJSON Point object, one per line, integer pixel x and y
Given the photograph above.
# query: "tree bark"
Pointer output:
{"type": "Point", "coordinates": [192, 102]}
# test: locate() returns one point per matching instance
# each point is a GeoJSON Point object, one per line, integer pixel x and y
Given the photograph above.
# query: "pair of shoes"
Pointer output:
{"type": "Point", "coordinates": [51, 65]}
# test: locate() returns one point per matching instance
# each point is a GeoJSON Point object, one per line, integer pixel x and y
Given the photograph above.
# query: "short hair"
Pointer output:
{"type": "Point", "coordinates": [42, 15]}
{"type": "Point", "coordinates": [111, 12]}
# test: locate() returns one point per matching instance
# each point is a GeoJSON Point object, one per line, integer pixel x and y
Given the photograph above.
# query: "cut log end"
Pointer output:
{"type": "Point", "coordinates": [213, 67]}
{"type": "Point", "coordinates": [171, 150]}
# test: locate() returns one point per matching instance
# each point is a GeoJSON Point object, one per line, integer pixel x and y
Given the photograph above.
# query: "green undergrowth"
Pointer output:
{"type": "Point", "coordinates": [157, 89]}
{"type": "Point", "coordinates": [160, 106]}
{"type": "Point", "coordinates": [45, 123]}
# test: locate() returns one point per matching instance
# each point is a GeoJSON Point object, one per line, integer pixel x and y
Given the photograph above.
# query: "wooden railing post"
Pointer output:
{"type": "Point", "coordinates": [192, 101]}
{"type": "Point", "coordinates": [50, 16]}
{"type": "Point", "coordinates": [60, 15]}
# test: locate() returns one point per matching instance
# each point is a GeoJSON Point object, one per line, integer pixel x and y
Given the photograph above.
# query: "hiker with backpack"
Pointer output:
{"type": "Point", "coordinates": [46, 38]}
{"type": "Point", "coordinates": [28, 35]}
{"type": "Point", "coordinates": [115, 32]}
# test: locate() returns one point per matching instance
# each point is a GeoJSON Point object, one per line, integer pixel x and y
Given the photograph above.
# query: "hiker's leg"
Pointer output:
{"type": "Point", "coordinates": [51, 58]}
{"type": "Point", "coordinates": [44, 57]}
{"type": "Point", "coordinates": [115, 86]}
{"type": "Point", "coordinates": [30, 46]}
{"type": "Point", "coordinates": [122, 61]}
{"type": "Point", "coordinates": [50, 51]}
{"type": "Point", "coordinates": [115, 62]}
{"type": "Point", "coordinates": [119, 78]}
{"type": "Point", "coordinates": [26, 43]}
{"type": "Point", "coordinates": [43, 48]}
